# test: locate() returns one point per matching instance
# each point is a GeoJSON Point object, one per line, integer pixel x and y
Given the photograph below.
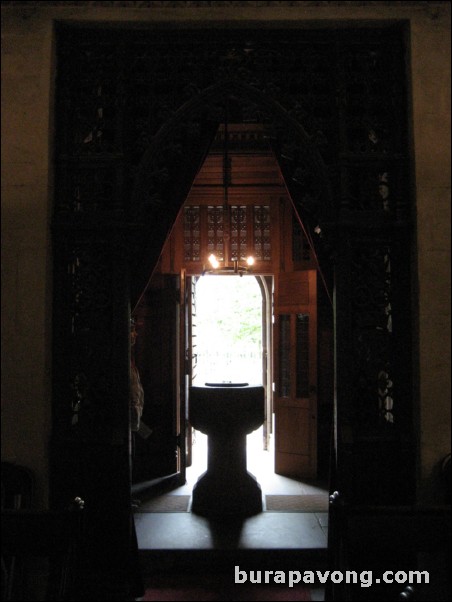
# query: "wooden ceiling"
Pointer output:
{"type": "Point", "coordinates": [254, 172]}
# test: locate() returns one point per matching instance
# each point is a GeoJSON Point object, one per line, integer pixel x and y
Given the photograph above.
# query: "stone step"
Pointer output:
{"type": "Point", "coordinates": [183, 541]}
{"type": "Point", "coordinates": [200, 562]}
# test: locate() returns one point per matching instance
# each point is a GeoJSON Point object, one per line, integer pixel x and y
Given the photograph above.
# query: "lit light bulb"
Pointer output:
{"type": "Point", "coordinates": [250, 260]}
{"type": "Point", "coordinates": [213, 261]}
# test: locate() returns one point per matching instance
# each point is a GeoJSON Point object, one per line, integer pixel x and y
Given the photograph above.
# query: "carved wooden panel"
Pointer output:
{"type": "Point", "coordinates": [215, 231]}
{"type": "Point", "coordinates": [136, 113]}
{"type": "Point", "coordinates": [192, 233]}
{"type": "Point", "coordinates": [262, 247]}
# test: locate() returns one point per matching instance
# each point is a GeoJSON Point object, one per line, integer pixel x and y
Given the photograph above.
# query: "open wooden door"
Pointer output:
{"type": "Point", "coordinates": [159, 456]}
{"type": "Point", "coordinates": [191, 358]}
{"type": "Point", "coordinates": [266, 286]}
{"type": "Point", "coordinates": [295, 358]}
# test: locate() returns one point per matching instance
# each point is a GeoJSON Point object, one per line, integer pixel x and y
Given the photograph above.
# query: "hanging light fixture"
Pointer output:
{"type": "Point", "coordinates": [236, 268]}
{"type": "Point", "coordinates": [215, 265]}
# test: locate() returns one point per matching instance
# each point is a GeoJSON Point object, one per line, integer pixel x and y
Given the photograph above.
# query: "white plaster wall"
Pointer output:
{"type": "Point", "coordinates": [27, 92]}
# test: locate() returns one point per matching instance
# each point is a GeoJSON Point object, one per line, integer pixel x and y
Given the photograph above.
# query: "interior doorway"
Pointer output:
{"type": "Point", "coordinates": [229, 325]}
{"type": "Point", "coordinates": [127, 185]}
{"type": "Point", "coordinates": [228, 330]}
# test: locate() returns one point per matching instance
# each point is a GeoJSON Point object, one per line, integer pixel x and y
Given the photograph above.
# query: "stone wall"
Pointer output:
{"type": "Point", "coordinates": [26, 252]}
{"type": "Point", "coordinates": [430, 72]}
{"type": "Point", "coordinates": [27, 195]}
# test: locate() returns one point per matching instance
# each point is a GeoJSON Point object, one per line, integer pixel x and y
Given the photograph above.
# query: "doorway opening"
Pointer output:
{"type": "Point", "coordinates": [228, 330]}
{"type": "Point", "coordinates": [229, 326]}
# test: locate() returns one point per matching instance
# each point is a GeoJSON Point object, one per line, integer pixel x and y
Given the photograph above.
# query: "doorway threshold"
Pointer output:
{"type": "Point", "coordinates": [264, 531]}
{"type": "Point", "coordinates": [173, 540]}
{"type": "Point", "coordinates": [185, 543]}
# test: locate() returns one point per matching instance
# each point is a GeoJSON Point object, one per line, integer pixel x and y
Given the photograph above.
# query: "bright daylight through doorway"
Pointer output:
{"type": "Point", "coordinates": [228, 330]}
{"type": "Point", "coordinates": [229, 350]}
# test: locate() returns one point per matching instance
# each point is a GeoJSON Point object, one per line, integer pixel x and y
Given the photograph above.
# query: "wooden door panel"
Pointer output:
{"type": "Point", "coordinates": [294, 465]}
{"type": "Point", "coordinates": [293, 432]}
{"type": "Point", "coordinates": [191, 358]}
{"type": "Point", "coordinates": [294, 289]}
{"type": "Point", "coordinates": [160, 323]}
{"type": "Point", "coordinates": [295, 354]}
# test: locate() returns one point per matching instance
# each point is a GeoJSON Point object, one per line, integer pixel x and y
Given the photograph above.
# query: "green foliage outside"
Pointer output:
{"type": "Point", "coordinates": [231, 310]}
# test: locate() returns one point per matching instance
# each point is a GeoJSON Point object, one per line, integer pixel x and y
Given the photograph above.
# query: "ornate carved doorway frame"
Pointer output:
{"type": "Point", "coordinates": [118, 196]}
